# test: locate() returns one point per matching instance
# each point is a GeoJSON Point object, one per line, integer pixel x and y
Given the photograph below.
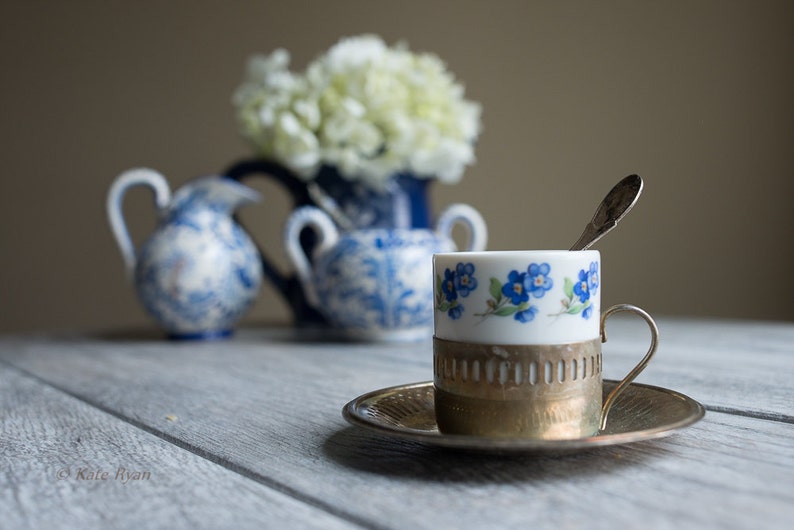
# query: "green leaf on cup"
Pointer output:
{"type": "Point", "coordinates": [568, 288]}
{"type": "Point", "coordinates": [496, 289]}
{"type": "Point", "coordinates": [505, 311]}
{"type": "Point", "coordinates": [444, 306]}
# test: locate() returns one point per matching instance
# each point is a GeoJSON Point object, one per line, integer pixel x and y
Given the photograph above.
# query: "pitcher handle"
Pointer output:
{"type": "Point", "coordinates": [610, 400]}
{"type": "Point", "coordinates": [470, 218]}
{"type": "Point", "coordinates": [296, 188]}
{"type": "Point", "coordinates": [286, 283]}
{"type": "Point", "coordinates": [321, 223]}
{"type": "Point", "coordinates": [125, 181]}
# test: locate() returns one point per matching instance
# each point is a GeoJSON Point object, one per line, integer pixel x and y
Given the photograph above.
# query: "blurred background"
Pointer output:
{"type": "Point", "coordinates": [695, 96]}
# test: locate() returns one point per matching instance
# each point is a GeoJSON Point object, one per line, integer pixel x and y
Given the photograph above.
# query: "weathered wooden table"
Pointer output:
{"type": "Point", "coordinates": [126, 431]}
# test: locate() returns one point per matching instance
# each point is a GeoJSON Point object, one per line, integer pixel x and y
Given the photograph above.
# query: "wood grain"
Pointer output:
{"type": "Point", "coordinates": [270, 406]}
{"type": "Point", "coordinates": [733, 366]}
{"type": "Point", "coordinates": [64, 464]}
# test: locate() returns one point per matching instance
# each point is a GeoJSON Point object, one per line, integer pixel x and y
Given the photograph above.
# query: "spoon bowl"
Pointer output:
{"type": "Point", "coordinates": [617, 203]}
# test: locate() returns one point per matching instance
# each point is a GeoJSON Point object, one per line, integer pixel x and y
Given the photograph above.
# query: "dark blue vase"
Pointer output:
{"type": "Point", "coordinates": [403, 204]}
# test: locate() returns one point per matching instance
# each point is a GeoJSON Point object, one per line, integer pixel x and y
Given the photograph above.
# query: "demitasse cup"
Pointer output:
{"type": "Point", "coordinates": [517, 344]}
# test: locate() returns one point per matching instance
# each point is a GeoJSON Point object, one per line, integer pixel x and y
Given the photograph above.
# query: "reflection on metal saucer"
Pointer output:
{"type": "Point", "coordinates": [643, 412]}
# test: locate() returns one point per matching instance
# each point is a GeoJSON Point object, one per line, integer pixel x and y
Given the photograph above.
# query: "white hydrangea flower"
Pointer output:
{"type": "Point", "coordinates": [367, 109]}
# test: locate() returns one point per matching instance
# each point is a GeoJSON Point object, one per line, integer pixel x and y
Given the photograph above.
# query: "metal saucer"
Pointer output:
{"type": "Point", "coordinates": [642, 412]}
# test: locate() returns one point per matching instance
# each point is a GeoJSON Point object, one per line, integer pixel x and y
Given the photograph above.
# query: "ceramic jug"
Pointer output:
{"type": "Point", "coordinates": [375, 284]}
{"type": "Point", "coordinates": [403, 203]}
{"type": "Point", "coordinates": [199, 272]}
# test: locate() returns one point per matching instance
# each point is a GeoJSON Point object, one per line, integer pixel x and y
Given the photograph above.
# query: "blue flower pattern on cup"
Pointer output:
{"type": "Point", "coordinates": [461, 282]}
{"type": "Point", "coordinates": [578, 293]}
{"type": "Point", "coordinates": [514, 288]}
{"type": "Point", "coordinates": [464, 279]}
{"type": "Point", "coordinates": [539, 281]}
{"type": "Point", "coordinates": [512, 298]}
{"type": "Point", "coordinates": [448, 286]}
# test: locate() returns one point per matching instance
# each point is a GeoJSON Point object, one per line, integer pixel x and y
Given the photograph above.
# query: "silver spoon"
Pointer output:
{"type": "Point", "coordinates": [615, 205]}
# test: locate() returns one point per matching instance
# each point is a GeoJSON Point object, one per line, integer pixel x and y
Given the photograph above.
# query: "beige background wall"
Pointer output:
{"type": "Point", "coordinates": [697, 97]}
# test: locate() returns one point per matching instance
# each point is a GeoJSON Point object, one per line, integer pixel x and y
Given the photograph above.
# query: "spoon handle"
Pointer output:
{"type": "Point", "coordinates": [590, 235]}
{"type": "Point", "coordinates": [617, 203]}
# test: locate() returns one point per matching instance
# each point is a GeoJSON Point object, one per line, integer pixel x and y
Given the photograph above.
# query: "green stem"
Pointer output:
{"type": "Point", "coordinates": [494, 309]}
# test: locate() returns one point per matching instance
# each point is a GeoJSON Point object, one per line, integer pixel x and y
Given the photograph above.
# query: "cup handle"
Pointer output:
{"type": "Point", "coordinates": [610, 400]}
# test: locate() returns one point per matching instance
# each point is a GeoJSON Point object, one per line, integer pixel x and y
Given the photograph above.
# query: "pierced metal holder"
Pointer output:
{"type": "Point", "coordinates": [543, 391]}
{"type": "Point", "coordinates": [547, 391]}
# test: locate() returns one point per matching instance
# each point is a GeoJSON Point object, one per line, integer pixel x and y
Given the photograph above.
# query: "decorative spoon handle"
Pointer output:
{"type": "Point", "coordinates": [615, 205]}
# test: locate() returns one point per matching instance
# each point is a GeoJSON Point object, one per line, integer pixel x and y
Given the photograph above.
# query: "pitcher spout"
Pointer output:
{"type": "Point", "coordinates": [214, 192]}
{"type": "Point", "coordinates": [239, 194]}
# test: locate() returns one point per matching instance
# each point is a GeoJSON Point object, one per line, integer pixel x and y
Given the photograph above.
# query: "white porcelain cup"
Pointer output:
{"type": "Point", "coordinates": [517, 343]}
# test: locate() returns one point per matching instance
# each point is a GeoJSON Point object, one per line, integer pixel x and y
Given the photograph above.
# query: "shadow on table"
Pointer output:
{"type": "Point", "coordinates": [363, 451]}
{"type": "Point", "coordinates": [272, 332]}
{"type": "Point", "coordinates": [139, 334]}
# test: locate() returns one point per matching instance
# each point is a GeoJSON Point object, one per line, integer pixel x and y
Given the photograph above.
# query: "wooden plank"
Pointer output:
{"type": "Point", "coordinates": [272, 406]}
{"type": "Point", "coordinates": [64, 464]}
{"type": "Point", "coordinates": [742, 366]}
{"type": "Point", "coordinates": [725, 472]}
{"type": "Point", "coordinates": [736, 366]}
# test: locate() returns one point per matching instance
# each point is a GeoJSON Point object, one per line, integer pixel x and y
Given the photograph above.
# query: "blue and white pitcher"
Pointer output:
{"type": "Point", "coordinates": [377, 283]}
{"type": "Point", "coordinates": [199, 272]}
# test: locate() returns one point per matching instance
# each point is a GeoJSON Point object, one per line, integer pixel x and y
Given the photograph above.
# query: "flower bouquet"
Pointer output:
{"type": "Point", "coordinates": [359, 134]}
{"type": "Point", "coordinates": [368, 110]}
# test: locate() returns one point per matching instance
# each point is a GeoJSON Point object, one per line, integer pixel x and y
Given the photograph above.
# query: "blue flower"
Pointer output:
{"type": "Point", "coordinates": [538, 281]}
{"type": "Point", "coordinates": [527, 315]}
{"type": "Point", "coordinates": [581, 288]}
{"type": "Point", "coordinates": [464, 281]}
{"type": "Point", "coordinates": [592, 277]}
{"type": "Point", "coordinates": [455, 312]}
{"type": "Point", "coordinates": [448, 286]}
{"type": "Point", "coordinates": [588, 312]}
{"type": "Point", "coordinates": [514, 288]}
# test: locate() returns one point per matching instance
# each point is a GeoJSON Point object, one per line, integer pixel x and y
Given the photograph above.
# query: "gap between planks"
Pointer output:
{"type": "Point", "coordinates": [215, 459]}
{"type": "Point", "coordinates": [766, 416]}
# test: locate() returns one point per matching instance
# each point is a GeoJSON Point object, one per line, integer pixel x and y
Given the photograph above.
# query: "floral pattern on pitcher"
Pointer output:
{"type": "Point", "coordinates": [578, 293]}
